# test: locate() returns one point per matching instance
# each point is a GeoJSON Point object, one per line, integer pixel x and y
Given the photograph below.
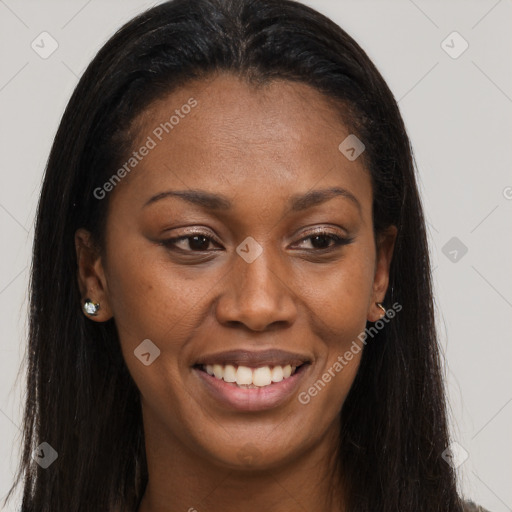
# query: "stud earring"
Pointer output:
{"type": "Point", "coordinates": [91, 308]}
{"type": "Point", "coordinates": [379, 304]}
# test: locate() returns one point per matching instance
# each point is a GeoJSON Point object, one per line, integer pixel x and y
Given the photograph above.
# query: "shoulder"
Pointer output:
{"type": "Point", "coordinates": [469, 506]}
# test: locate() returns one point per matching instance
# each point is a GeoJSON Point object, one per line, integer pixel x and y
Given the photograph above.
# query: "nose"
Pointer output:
{"type": "Point", "coordinates": [257, 295]}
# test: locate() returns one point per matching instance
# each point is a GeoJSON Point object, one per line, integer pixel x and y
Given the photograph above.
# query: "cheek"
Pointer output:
{"type": "Point", "coordinates": [148, 294]}
{"type": "Point", "coordinates": [154, 299]}
{"type": "Point", "coordinates": [339, 297]}
{"type": "Point", "coordinates": [338, 301]}
{"type": "Point", "coordinates": [146, 305]}
{"type": "Point", "coordinates": [154, 313]}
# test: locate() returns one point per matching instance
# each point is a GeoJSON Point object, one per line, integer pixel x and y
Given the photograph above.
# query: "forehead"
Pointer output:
{"type": "Point", "coordinates": [226, 135]}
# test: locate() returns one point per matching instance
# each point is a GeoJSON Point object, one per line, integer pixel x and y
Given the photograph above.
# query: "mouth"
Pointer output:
{"type": "Point", "coordinates": [247, 380]}
{"type": "Point", "coordinates": [251, 389]}
{"type": "Point", "coordinates": [251, 378]}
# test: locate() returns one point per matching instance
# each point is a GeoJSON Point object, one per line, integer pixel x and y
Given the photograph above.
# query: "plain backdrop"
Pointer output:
{"type": "Point", "coordinates": [457, 106]}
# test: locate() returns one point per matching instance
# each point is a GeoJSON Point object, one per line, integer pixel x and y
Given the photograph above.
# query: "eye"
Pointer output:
{"type": "Point", "coordinates": [322, 240]}
{"type": "Point", "coordinates": [196, 242]}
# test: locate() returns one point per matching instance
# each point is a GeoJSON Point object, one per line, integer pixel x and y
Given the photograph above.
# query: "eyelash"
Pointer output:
{"type": "Point", "coordinates": [338, 240]}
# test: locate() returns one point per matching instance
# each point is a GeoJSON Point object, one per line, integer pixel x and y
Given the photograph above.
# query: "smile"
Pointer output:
{"type": "Point", "coordinates": [245, 377]}
{"type": "Point", "coordinates": [244, 394]}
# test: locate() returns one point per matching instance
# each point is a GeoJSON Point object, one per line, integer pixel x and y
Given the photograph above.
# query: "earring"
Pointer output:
{"type": "Point", "coordinates": [379, 304]}
{"type": "Point", "coordinates": [90, 307]}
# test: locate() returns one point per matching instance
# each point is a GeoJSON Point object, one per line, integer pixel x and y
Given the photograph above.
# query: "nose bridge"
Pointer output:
{"type": "Point", "coordinates": [257, 294]}
{"type": "Point", "coordinates": [258, 276]}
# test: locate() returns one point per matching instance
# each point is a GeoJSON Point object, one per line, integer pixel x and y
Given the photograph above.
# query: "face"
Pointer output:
{"type": "Point", "coordinates": [241, 237]}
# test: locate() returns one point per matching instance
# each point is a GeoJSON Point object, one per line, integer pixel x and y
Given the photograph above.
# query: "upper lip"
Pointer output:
{"type": "Point", "coordinates": [270, 357]}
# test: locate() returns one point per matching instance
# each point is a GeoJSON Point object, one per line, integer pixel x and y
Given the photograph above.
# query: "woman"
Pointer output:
{"type": "Point", "coordinates": [231, 302]}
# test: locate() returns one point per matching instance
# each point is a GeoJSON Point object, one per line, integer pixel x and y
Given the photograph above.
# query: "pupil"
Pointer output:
{"type": "Point", "coordinates": [325, 239]}
{"type": "Point", "coordinates": [199, 246]}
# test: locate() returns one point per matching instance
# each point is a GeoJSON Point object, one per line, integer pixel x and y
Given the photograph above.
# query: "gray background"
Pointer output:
{"type": "Point", "coordinates": [458, 112]}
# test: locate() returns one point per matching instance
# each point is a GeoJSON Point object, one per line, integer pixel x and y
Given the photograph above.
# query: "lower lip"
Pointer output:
{"type": "Point", "coordinates": [252, 399]}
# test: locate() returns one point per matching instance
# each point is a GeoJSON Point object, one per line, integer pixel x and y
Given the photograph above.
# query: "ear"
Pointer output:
{"type": "Point", "coordinates": [385, 246]}
{"type": "Point", "coordinates": [91, 276]}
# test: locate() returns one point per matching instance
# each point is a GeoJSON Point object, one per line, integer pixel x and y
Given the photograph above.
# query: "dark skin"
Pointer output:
{"type": "Point", "coordinates": [257, 147]}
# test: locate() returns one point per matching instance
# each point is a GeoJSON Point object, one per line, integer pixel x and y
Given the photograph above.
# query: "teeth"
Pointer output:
{"type": "Point", "coordinates": [244, 376]}
{"type": "Point", "coordinates": [277, 374]}
{"type": "Point", "coordinates": [218, 371]}
{"type": "Point", "coordinates": [262, 376]}
{"type": "Point", "coordinates": [229, 373]}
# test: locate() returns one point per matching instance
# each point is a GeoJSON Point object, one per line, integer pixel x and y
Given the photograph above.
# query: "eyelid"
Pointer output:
{"type": "Point", "coordinates": [196, 232]}
{"type": "Point", "coordinates": [323, 230]}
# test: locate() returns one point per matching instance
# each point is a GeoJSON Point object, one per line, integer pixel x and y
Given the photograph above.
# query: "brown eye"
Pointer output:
{"type": "Point", "coordinates": [196, 243]}
{"type": "Point", "coordinates": [325, 240]}
{"type": "Point", "coordinates": [321, 241]}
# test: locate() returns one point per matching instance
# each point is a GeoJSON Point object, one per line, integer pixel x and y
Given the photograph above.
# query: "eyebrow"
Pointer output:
{"type": "Point", "coordinates": [298, 202]}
